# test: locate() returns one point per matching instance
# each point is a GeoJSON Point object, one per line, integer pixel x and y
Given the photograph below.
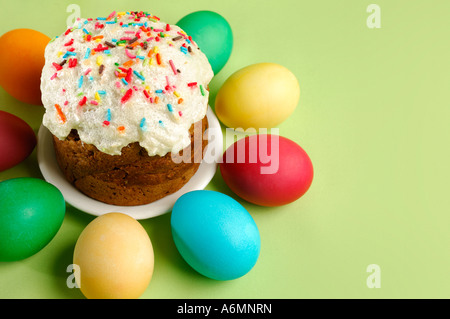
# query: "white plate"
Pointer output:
{"type": "Point", "coordinates": [52, 174]}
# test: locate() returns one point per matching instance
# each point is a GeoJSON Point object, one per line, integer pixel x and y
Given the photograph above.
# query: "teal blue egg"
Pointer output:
{"type": "Point", "coordinates": [215, 234]}
{"type": "Point", "coordinates": [31, 213]}
{"type": "Point", "coordinates": [213, 35]}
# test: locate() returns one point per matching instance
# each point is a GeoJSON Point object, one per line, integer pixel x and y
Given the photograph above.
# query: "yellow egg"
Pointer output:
{"type": "Point", "coordinates": [115, 258]}
{"type": "Point", "coordinates": [258, 96]}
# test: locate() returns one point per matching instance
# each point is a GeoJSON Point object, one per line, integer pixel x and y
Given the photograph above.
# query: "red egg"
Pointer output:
{"type": "Point", "coordinates": [267, 170]}
{"type": "Point", "coordinates": [17, 140]}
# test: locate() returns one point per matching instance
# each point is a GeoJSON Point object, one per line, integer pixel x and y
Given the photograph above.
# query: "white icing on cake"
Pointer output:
{"type": "Point", "coordinates": [158, 120]}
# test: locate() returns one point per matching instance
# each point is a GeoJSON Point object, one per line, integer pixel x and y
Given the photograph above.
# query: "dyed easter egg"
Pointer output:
{"type": "Point", "coordinates": [114, 256]}
{"type": "Point", "coordinates": [213, 35]}
{"type": "Point", "coordinates": [215, 234]}
{"type": "Point", "coordinates": [17, 140]}
{"type": "Point", "coordinates": [267, 170]}
{"type": "Point", "coordinates": [31, 213]}
{"type": "Point", "coordinates": [258, 96]}
{"type": "Point", "coordinates": [21, 63]}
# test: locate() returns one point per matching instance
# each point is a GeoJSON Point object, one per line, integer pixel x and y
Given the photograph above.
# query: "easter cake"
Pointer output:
{"type": "Point", "coordinates": [122, 94]}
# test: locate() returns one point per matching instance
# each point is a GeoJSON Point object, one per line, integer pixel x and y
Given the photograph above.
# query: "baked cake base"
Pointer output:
{"type": "Point", "coordinates": [130, 179]}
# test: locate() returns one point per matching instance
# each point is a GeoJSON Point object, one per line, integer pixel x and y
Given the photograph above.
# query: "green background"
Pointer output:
{"type": "Point", "coordinates": [373, 116]}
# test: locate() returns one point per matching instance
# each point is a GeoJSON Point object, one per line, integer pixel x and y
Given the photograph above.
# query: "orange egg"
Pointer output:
{"type": "Point", "coordinates": [21, 63]}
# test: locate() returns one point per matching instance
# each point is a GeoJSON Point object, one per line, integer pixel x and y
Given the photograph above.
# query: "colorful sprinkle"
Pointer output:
{"type": "Point", "coordinates": [201, 90]}
{"type": "Point", "coordinates": [112, 15]}
{"type": "Point", "coordinates": [60, 113]}
{"type": "Point", "coordinates": [73, 63]}
{"type": "Point", "coordinates": [142, 125]}
{"type": "Point", "coordinates": [82, 101]}
{"type": "Point", "coordinates": [169, 107]}
{"type": "Point", "coordinates": [131, 41]}
{"type": "Point", "coordinates": [69, 43]}
{"type": "Point", "coordinates": [80, 82]}
{"type": "Point", "coordinates": [174, 69]}
{"type": "Point", "coordinates": [57, 66]}
{"type": "Point", "coordinates": [138, 75]}
{"type": "Point", "coordinates": [99, 60]}
{"type": "Point", "coordinates": [110, 44]}
{"type": "Point", "coordinates": [131, 56]}
{"type": "Point", "coordinates": [100, 48]}
{"type": "Point", "coordinates": [158, 58]}
{"type": "Point", "coordinates": [127, 96]}
{"type": "Point", "coordinates": [69, 53]}
{"type": "Point", "coordinates": [128, 63]}
{"type": "Point", "coordinates": [88, 53]}
{"type": "Point", "coordinates": [129, 76]}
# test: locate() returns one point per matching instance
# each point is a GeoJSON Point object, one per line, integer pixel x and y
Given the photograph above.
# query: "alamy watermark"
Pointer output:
{"type": "Point", "coordinates": [263, 149]}
{"type": "Point", "coordinates": [75, 11]}
{"type": "Point", "coordinates": [74, 279]}
{"type": "Point", "coordinates": [374, 19]}
{"type": "Point", "coordinates": [374, 279]}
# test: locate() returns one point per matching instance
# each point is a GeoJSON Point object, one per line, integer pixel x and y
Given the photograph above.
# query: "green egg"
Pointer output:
{"type": "Point", "coordinates": [31, 213]}
{"type": "Point", "coordinates": [213, 35]}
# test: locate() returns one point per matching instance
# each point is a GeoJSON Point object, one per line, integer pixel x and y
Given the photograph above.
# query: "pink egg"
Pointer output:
{"type": "Point", "coordinates": [267, 170]}
{"type": "Point", "coordinates": [17, 140]}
